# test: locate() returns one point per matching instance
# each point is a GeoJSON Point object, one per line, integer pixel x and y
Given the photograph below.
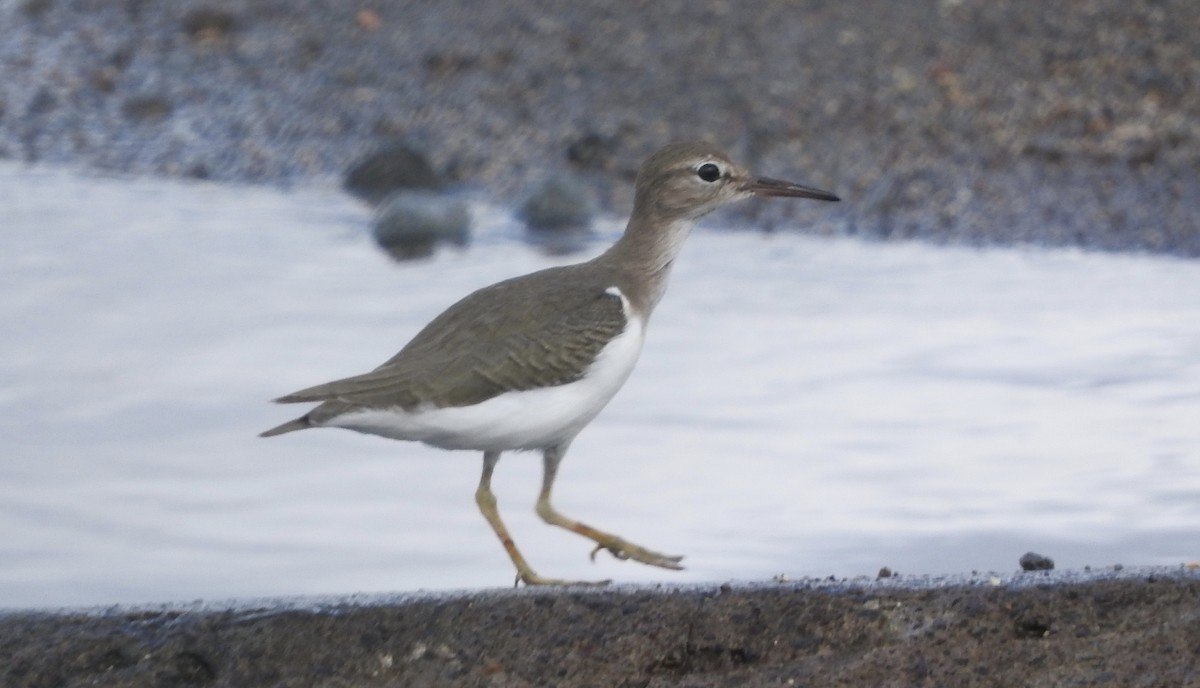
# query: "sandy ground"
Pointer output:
{"type": "Point", "coordinates": [973, 121]}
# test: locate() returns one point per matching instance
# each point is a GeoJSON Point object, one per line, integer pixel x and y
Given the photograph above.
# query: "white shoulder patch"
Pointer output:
{"type": "Point", "coordinates": [615, 291]}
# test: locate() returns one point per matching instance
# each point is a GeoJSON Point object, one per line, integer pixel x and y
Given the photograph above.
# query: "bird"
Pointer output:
{"type": "Point", "coordinates": [528, 362]}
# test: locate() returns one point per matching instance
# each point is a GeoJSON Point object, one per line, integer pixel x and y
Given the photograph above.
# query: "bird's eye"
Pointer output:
{"type": "Point", "coordinates": [709, 172]}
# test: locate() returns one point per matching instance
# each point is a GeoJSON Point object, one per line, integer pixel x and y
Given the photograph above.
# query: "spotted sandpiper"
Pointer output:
{"type": "Point", "coordinates": [528, 362]}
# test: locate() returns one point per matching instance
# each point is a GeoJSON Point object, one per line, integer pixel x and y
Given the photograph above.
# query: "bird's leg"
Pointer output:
{"type": "Point", "coordinates": [487, 504]}
{"type": "Point", "coordinates": [619, 548]}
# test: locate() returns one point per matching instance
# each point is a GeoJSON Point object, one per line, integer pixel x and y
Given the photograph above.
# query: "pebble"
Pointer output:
{"type": "Point", "coordinates": [558, 214]}
{"type": "Point", "coordinates": [559, 203]}
{"type": "Point", "coordinates": [411, 224]}
{"type": "Point", "coordinates": [391, 168]}
{"type": "Point", "coordinates": [1032, 561]}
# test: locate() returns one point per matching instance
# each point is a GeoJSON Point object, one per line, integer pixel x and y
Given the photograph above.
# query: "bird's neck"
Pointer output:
{"type": "Point", "coordinates": [645, 254]}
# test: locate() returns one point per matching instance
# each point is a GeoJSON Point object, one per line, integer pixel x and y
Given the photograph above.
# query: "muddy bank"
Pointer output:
{"type": "Point", "coordinates": [966, 121]}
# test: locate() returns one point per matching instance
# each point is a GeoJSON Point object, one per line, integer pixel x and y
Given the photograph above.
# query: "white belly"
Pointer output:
{"type": "Point", "coordinates": [533, 419]}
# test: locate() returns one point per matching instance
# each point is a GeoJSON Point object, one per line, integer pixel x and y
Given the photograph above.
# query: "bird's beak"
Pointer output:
{"type": "Point", "coordinates": [765, 186]}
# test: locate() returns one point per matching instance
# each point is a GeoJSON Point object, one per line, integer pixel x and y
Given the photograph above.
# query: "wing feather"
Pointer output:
{"type": "Point", "coordinates": [538, 331]}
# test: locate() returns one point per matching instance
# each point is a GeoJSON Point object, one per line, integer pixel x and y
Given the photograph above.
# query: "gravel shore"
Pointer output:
{"type": "Point", "coordinates": [1136, 628]}
{"type": "Point", "coordinates": [948, 120]}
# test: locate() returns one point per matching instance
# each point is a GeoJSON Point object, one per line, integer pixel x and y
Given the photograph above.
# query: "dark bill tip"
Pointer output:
{"type": "Point", "coordinates": [765, 186]}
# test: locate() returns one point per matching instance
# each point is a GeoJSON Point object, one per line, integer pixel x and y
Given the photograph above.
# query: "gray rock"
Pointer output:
{"type": "Point", "coordinates": [410, 224]}
{"type": "Point", "coordinates": [562, 202]}
{"type": "Point", "coordinates": [1032, 561]}
{"type": "Point", "coordinates": [558, 214]}
{"type": "Point", "coordinates": [393, 167]}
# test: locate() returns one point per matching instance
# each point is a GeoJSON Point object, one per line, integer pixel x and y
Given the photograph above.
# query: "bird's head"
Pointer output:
{"type": "Point", "coordinates": [690, 179]}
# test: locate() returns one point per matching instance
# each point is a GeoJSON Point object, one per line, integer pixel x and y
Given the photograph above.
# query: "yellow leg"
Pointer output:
{"type": "Point", "coordinates": [618, 547]}
{"type": "Point", "coordinates": [487, 504]}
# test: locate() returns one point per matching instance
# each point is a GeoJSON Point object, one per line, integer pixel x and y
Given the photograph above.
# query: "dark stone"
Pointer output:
{"type": "Point", "coordinates": [1032, 561]}
{"type": "Point", "coordinates": [102, 660]}
{"type": "Point", "coordinates": [208, 24]}
{"type": "Point", "coordinates": [104, 79]}
{"type": "Point", "coordinates": [592, 152]}
{"type": "Point", "coordinates": [35, 8]}
{"type": "Point", "coordinates": [145, 108]}
{"type": "Point", "coordinates": [309, 50]}
{"type": "Point", "coordinates": [391, 168]}
{"type": "Point", "coordinates": [1046, 147]}
{"type": "Point", "coordinates": [560, 203]}
{"type": "Point", "coordinates": [558, 214]}
{"type": "Point", "coordinates": [444, 65]}
{"type": "Point", "coordinates": [410, 224]}
{"type": "Point", "coordinates": [199, 171]}
{"type": "Point", "coordinates": [43, 102]}
{"type": "Point", "coordinates": [189, 669]}
{"type": "Point", "coordinates": [1032, 628]}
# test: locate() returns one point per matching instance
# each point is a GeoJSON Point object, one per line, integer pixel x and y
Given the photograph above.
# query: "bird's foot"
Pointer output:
{"type": "Point", "coordinates": [531, 578]}
{"type": "Point", "coordinates": [627, 550]}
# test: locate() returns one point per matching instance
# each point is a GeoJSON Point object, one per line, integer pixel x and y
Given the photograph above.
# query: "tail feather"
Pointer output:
{"type": "Point", "coordinates": [300, 423]}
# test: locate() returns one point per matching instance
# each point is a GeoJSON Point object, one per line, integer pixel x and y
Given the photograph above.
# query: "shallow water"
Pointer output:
{"type": "Point", "coordinates": [802, 407]}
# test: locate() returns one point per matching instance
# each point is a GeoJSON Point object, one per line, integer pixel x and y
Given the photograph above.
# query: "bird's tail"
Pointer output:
{"type": "Point", "coordinates": [300, 423]}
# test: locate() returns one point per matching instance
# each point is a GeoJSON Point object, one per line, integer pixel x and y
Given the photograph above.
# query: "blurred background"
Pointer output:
{"type": "Point", "coordinates": [991, 345]}
{"type": "Point", "coordinates": [1074, 123]}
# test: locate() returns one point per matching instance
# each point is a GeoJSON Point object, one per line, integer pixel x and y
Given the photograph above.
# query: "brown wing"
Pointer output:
{"type": "Point", "coordinates": [540, 330]}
